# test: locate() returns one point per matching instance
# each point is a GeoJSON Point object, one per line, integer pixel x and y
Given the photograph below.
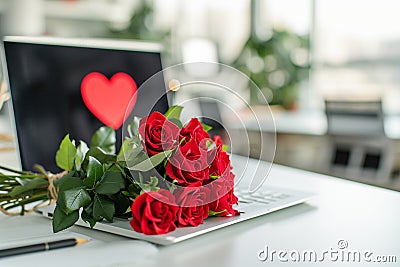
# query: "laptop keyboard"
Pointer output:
{"type": "Point", "coordinates": [265, 197]}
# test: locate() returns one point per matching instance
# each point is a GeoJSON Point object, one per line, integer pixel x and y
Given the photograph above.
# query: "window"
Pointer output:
{"type": "Point", "coordinates": [357, 50]}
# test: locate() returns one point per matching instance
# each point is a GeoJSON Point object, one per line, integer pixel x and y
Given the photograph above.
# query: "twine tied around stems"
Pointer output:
{"type": "Point", "coordinates": [52, 193]}
{"type": "Point", "coordinates": [10, 213]}
{"type": "Point", "coordinates": [53, 190]}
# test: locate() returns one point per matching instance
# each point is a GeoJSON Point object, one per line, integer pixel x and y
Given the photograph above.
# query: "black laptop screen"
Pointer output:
{"type": "Point", "coordinates": [54, 87]}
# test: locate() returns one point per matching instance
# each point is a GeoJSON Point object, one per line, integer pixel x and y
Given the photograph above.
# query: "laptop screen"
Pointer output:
{"type": "Point", "coordinates": [75, 88]}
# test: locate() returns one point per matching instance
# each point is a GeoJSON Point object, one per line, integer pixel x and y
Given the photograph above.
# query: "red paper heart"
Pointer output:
{"type": "Point", "coordinates": [108, 99]}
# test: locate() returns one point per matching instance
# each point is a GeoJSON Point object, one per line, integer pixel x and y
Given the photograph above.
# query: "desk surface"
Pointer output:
{"type": "Point", "coordinates": [365, 217]}
{"type": "Point", "coordinates": [304, 122]}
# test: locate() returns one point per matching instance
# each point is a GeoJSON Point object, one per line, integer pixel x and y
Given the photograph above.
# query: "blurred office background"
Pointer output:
{"type": "Point", "coordinates": [329, 69]}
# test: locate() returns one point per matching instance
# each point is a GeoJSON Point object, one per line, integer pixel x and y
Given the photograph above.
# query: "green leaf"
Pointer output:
{"type": "Point", "coordinates": [64, 178]}
{"type": "Point", "coordinates": [103, 207]}
{"type": "Point", "coordinates": [126, 147]}
{"type": "Point", "coordinates": [100, 155]}
{"type": "Point", "coordinates": [67, 183]}
{"type": "Point", "coordinates": [122, 203]}
{"type": "Point", "coordinates": [135, 156]}
{"type": "Point", "coordinates": [20, 180]}
{"type": "Point", "coordinates": [87, 217]}
{"type": "Point", "coordinates": [176, 122]}
{"type": "Point", "coordinates": [65, 155]}
{"type": "Point", "coordinates": [75, 198]}
{"type": "Point", "coordinates": [133, 191]}
{"type": "Point", "coordinates": [150, 185]}
{"type": "Point", "coordinates": [126, 144]}
{"type": "Point", "coordinates": [40, 169]}
{"type": "Point", "coordinates": [206, 127]}
{"type": "Point", "coordinates": [174, 112]}
{"type": "Point", "coordinates": [28, 186]}
{"type": "Point", "coordinates": [224, 147]}
{"type": "Point", "coordinates": [150, 163]}
{"type": "Point", "coordinates": [105, 139]}
{"type": "Point", "coordinates": [171, 186]}
{"type": "Point", "coordinates": [213, 213]}
{"type": "Point", "coordinates": [133, 127]}
{"type": "Point", "coordinates": [111, 183]}
{"type": "Point", "coordinates": [210, 145]}
{"type": "Point", "coordinates": [80, 155]}
{"type": "Point", "coordinates": [63, 221]}
{"type": "Point", "coordinates": [94, 172]}
{"type": "Point", "coordinates": [134, 152]}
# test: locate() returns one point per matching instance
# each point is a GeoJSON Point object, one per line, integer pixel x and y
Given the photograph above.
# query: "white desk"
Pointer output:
{"type": "Point", "coordinates": [367, 218]}
{"type": "Point", "coordinates": [312, 123]}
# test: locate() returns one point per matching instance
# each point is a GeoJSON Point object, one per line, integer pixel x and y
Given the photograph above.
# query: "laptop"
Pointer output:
{"type": "Point", "coordinates": [46, 79]}
{"type": "Point", "coordinates": [45, 76]}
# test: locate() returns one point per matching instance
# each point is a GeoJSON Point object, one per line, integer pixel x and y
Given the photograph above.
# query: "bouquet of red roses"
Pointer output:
{"type": "Point", "coordinates": [166, 175]}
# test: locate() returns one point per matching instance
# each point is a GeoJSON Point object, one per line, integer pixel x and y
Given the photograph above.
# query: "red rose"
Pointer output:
{"type": "Point", "coordinates": [152, 215]}
{"type": "Point", "coordinates": [222, 191]}
{"type": "Point", "coordinates": [194, 131]}
{"type": "Point", "coordinates": [221, 163]}
{"type": "Point", "coordinates": [158, 133]}
{"type": "Point", "coordinates": [218, 141]}
{"type": "Point", "coordinates": [189, 165]}
{"type": "Point", "coordinates": [193, 208]}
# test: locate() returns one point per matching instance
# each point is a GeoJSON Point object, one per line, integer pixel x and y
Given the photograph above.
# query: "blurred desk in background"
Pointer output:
{"type": "Point", "coordinates": [303, 142]}
{"type": "Point", "coordinates": [313, 123]}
